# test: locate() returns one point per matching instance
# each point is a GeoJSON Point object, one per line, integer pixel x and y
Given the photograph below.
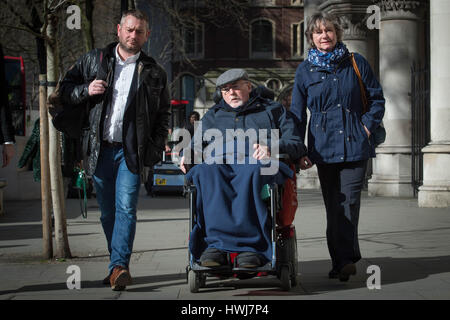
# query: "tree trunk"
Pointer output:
{"type": "Point", "coordinates": [86, 23]}
{"type": "Point", "coordinates": [47, 238]}
{"type": "Point", "coordinates": [57, 187]}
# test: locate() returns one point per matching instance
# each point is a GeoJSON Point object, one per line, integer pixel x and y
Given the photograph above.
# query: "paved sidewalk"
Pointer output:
{"type": "Point", "coordinates": [410, 245]}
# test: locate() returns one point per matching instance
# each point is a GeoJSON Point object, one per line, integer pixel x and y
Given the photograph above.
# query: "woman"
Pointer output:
{"type": "Point", "coordinates": [339, 134]}
{"type": "Point", "coordinates": [193, 116]}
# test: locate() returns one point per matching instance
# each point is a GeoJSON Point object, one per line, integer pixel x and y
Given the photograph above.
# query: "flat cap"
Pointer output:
{"type": "Point", "coordinates": [231, 75]}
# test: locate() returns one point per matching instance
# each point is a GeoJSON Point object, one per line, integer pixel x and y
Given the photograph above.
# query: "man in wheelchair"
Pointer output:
{"type": "Point", "coordinates": [238, 138]}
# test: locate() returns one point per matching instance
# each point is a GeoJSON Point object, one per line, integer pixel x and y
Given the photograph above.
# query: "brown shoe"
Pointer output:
{"type": "Point", "coordinates": [120, 278]}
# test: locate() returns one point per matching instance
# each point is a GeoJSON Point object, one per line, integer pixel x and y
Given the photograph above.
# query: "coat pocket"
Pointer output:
{"type": "Point", "coordinates": [152, 153]}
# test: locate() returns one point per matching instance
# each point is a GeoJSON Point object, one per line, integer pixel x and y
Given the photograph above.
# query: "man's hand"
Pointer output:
{"type": "Point", "coordinates": [97, 87]}
{"type": "Point", "coordinates": [261, 152]}
{"type": "Point", "coordinates": [305, 163]}
{"type": "Point", "coordinates": [8, 154]}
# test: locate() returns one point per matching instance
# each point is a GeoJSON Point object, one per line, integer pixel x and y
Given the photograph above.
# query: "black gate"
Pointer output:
{"type": "Point", "coordinates": [420, 122]}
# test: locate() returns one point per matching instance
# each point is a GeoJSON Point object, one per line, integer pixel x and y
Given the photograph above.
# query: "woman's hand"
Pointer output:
{"type": "Point", "coordinates": [305, 163]}
{"type": "Point", "coordinates": [367, 131]}
{"type": "Point", "coordinates": [182, 167]}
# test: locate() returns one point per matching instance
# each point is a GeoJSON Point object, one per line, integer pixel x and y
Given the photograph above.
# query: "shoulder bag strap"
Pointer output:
{"type": "Point", "coordinates": [361, 85]}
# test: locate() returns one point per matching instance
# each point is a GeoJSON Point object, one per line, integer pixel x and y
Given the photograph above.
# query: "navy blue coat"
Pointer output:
{"type": "Point", "coordinates": [231, 216]}
{"type": "Point", "coordinates": [336, 133]}
{"type": "Point", "coordinates": [257, 113]}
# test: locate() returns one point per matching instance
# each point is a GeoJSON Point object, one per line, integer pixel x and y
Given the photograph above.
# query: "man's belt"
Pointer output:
{"type": "Point", "coordinates": [113, 144]}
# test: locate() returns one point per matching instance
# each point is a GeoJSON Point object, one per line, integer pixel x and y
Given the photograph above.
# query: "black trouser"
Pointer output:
{"type": "Point", "coordinates": [341, 185]}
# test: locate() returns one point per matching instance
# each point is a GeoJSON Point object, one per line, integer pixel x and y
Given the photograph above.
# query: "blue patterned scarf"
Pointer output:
{"type": "Point", "coordinates": [327, 60]}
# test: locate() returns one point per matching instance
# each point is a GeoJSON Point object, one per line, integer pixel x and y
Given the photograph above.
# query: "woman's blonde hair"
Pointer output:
{"type": "Point", "coordinates": [322, 17]}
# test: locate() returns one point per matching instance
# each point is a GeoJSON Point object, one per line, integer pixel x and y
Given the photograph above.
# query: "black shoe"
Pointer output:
{"type": "Point", "coordinates": [333, 274]}
{"type": "Point", "coordinates": [347, 271]}
{"type": "Point", "coordinates": [213, 257]}
{"type": "Point", "coordinates": [106, 281]}
{"type": "Point", "coordinates": [249, 260]}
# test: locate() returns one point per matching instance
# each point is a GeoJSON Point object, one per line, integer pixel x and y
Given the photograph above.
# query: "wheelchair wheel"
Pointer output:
{"type": "Point", "coordinates": [285, 277]}
{"type": "Point", "coordinates": [193, 281]}
{"type": "Point", "coordinates": [294, 281]}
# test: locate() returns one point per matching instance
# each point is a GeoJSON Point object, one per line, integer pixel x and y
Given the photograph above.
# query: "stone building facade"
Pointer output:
{"type": "Point", "coordinates": [270, 50]}
{"type": "Point", "coordinates": [408, 31]}
{"type": "Point", "coordinates": [392, 35]}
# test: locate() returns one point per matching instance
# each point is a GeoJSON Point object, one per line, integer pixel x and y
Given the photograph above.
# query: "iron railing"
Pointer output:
{"type": "Point", "coordinates": [420, 120]}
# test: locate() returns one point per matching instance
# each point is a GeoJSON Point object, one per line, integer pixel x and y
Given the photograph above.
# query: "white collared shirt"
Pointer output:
{"type": "Point", "coordinates": [123, 76]}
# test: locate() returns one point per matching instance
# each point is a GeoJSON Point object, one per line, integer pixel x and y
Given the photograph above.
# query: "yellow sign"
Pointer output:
{"type": "Point", "coordinates": [160, 181]}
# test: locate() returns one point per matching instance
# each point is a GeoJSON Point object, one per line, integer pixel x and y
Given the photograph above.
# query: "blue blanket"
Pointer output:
{"type": "Point", "coordinates": [231, 215]}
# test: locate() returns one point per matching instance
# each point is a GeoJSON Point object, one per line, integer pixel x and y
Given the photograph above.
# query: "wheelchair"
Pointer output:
{"type": "Point", "coordinates": [284, 262]}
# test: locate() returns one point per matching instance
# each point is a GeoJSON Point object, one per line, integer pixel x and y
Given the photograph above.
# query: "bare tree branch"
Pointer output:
{"type": "Point", "coordinates": [191, 14]}
{"type": "Point", "coordinates": [23, 29]}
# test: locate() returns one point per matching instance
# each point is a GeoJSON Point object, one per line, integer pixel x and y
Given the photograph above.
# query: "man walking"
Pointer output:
{"type": "Point", "coordinates": [129, 102]}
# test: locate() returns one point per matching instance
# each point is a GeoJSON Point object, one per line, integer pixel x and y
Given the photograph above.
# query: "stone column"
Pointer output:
{"type": "Point", "coordinates": [399, 47]}
{"type": "Point", "coordinates": [309, 8]}
{"type": "Point", "coordinates": [435, 191]}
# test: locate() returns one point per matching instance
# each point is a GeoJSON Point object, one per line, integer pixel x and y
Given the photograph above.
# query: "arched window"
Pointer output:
{"type": "Point", "coordinates": [262, 39]}
{"type": "Point", "coordinates": [274, 84]}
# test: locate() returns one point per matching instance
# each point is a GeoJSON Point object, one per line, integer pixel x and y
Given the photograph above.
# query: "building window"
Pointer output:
{"type": "Point", "coordinates": [262, 39]}
{"type": "Point", "coordinates": [297, 2]}
{"type": "Point", "coordinates": [193, 41]}
{"type": "Point", "coordinates": [262, 3]}
{"type": "Point", "coordinates": [298, 30]}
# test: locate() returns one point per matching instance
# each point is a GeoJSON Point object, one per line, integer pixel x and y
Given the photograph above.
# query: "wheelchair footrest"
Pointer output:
{"type": "Point", "coordinates": [197, 267]}
{"type": "Point", "coordinates": [265, 268]}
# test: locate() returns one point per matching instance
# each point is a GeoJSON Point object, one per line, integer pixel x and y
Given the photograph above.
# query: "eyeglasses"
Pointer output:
{"type": "Point", "coordinates": [235, 87]}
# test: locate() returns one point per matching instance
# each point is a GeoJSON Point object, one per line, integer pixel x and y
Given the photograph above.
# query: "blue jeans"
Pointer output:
{"type": "Point", "coordinates": [117, 195]}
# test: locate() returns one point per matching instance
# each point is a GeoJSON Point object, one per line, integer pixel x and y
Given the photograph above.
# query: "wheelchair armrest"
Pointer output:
{"type": "Point", "coordinates": [287, 159]}
{"type": "Point", "coordinates": [283, 156]}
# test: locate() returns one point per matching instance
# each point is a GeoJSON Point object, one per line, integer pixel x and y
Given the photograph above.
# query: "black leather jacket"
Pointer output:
{"type": "Point", "coordinates": [146, 117]}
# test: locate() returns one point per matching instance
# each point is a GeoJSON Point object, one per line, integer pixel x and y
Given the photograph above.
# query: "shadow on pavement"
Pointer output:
{"type": "Point", "coordinates": [98, 284]}
{"type": "Point", "coordinates": [313, 277]}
